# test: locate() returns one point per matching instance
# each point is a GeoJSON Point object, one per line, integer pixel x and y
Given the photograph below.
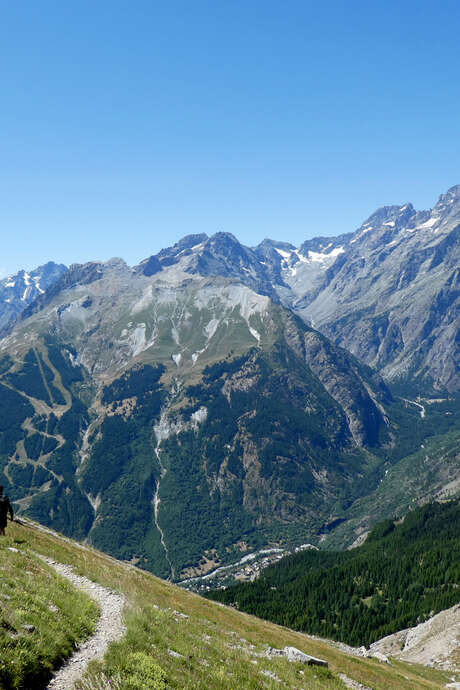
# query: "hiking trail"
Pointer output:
{"type": "Point", "coordinates": [110, 627]}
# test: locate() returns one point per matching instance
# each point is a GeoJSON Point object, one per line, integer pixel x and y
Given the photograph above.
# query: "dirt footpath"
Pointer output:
{"type": "Point", "coordinates": [110, 627]}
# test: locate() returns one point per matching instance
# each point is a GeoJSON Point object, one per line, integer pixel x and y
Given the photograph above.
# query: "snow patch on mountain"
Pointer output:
{"type": "Point", "coordinates": [301, 257]}
{"type": "Point", "coordinates": [19, 290]}
{"type": "Point", "coordinates": [429, 223]}
{"type": "Point", "coordinates": [323, 257]}
{"type": "Point", "coordinates": [281, 252]}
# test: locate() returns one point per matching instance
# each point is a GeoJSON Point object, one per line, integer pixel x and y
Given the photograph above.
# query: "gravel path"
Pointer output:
{"type": "Point", "coordinates": [110, 627]}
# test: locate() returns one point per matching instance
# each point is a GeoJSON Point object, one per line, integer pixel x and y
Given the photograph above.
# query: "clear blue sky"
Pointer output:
{"type": "Point", "coordinates": [126, 125]}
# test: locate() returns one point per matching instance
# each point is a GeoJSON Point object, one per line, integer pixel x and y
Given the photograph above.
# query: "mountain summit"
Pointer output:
{"type": "Point", "coordinates": [20, 290]}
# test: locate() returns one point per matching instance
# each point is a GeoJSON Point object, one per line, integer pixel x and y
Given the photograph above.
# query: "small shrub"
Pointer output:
{"type": "Point", "coordinates": [141, 672]}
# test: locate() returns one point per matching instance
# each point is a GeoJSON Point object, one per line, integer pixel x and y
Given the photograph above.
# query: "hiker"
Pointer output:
{"type": "Point", "coordinates": [5, 508]}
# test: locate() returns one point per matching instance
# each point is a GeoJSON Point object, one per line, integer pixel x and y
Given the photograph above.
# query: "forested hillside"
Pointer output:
{"type": "Point", "coordinates": [406, 571]}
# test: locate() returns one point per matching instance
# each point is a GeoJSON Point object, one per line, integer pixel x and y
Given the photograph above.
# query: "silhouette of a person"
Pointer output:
{"type": "Point", "coordinates": [5, 508]}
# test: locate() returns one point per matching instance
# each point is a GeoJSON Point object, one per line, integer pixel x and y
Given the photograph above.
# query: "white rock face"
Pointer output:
{"type": "Point", "coordinates": [433, 643]}
{"type": "Point", "coordinates": [171, 316]}
{"type": "Point", "coordinates": [170, 426]}
{"type": "Point", "coordinates": [295, 655]}
{"type": "Point", "coordinates": [199, 416]}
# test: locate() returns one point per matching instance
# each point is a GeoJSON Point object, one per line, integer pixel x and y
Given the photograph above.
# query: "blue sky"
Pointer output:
{"type": "Point", "coordinates": [126, 125]}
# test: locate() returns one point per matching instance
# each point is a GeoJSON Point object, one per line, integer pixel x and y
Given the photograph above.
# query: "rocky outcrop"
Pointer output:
{"type": "Point", "coordinates": [343, 379]}
{"type": "Point", "coordinates": [436, 642]}
{"type": "Point", "coordinates": [295, 656]}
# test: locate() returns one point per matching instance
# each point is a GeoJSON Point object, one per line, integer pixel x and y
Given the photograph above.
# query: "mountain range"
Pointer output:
{"type": "Point", "coordinates": [388, 293]}
{"type": "Point", "coordinates": [217, 399]}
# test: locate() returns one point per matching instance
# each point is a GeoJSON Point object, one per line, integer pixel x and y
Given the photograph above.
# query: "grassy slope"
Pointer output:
{"type": "Point", "coordinates": [210, 640]}
{"type": "Point", "coordinates": [41, 616]}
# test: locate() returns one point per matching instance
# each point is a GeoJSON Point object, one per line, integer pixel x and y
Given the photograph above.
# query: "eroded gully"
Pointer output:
{"type": "Point", "coordinates": [161, 431]}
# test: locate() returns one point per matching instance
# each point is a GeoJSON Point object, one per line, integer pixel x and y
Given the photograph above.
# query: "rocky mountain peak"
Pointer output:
{"type": "Point", "coordinates": [390, 216]}
{"type": "Point", "coordinates": [268, 243]}
{"type": "Point", "coordinates": [223, 239]}
{"type": "Point", "coordinates": [452, 194]}
{"type": "Point", "coordinates": [326, 245]}
{"type": "Point", "coordinates": [449, 203]}
{"type": "Point", "coordinates": [224, 245]}
{"type": "Point", "coordinates": [171, 255]}
{"type": "Point", "coordinates": [50, 268]}
{"type": "Point", "coordinates": [18, 291]}
{"type": "Point", "coordinates": [219, 255]}
{"type": "Point", "coordinates": [116, 263]}
{"type": "Point", "coordinates": [224, 255]}
{"type": "Point", "coordinates": [190, 241]}
{"type": "Point", "coordinates": [390, 298]}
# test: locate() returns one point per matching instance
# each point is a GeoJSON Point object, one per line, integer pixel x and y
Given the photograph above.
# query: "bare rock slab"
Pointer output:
{"type": "Point", "coordinates": [296, 656]}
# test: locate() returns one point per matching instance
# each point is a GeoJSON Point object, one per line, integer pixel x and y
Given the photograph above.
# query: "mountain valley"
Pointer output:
{"type": "Point", "coordinates": [218, 400]}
